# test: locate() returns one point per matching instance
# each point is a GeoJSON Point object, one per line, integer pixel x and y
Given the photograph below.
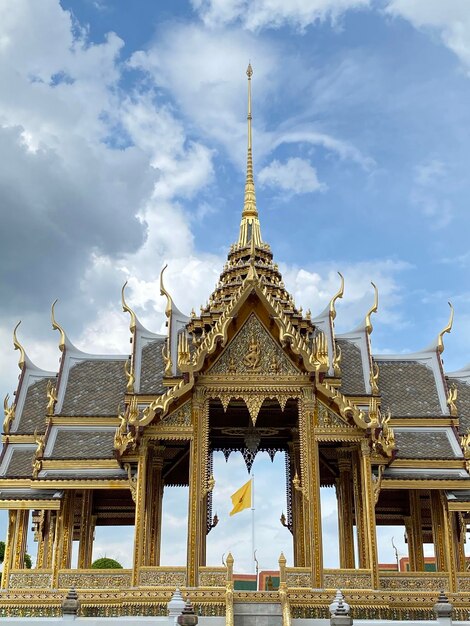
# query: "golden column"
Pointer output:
{"type": "Point", "coordinates": [414, 532]}
{"type": "Point", "coordinates": [198, 485]}
{"type": "Point", "coordinates": [50, 530]}
{"type": "Point", "coordinates": [153, 510]}
{"type": "Point", "coordinates": [310, 486]}
{"type": "Point", "coordinates": [344, 493]}
{"type": "Point", "coordinates": [443, 537]}
{"type": "Point", "coordinates": [9, 547]}
{"type": "Point", "coordinates": [87, 529]}
{"type": "Point", "coordinates": [21, 536]}
{"type": "Point", "coordinates": [41, 520]}
{"type": "Point", "coordinates": [369, 512]}
{"type": "Point", "coordinates": [140, 503]}
{"type": "Point", "coordinates": [359, 511]}
{"type": "Point", "coordinates": [298, 526]}
{"type": "Point", "coordinates": [63, 536]}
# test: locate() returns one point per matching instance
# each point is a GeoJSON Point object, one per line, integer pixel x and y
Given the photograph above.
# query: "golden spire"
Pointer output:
{"type": "Point", "coordinates": [447, 329]}
{"type": "Point", "coordinates": [18, 346]}
{"type": "Point", "coordinates": [249, 227]}
{"type": "Point", "coordinates": [56, 326]}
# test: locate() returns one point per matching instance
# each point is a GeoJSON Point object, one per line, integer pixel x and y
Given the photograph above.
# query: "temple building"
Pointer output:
{"type": "Point", "coordinates": [96, 443]}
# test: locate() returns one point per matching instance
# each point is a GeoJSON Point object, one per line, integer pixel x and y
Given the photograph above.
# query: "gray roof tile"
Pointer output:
{"type": "Point", "coordinates": [426, 444]}
{"type": "Point", "coordinates": [352, 375]}
{"type": "Point", "coordinates": [152, 368]}
{"type": "Point", "coordinates": [33, 415]}
{"type": "Point", "coordinates": [20, 465]}
{"type": "Point", "coordinates": [94, 387]}
{"type": "Point", "coordinates": [408, 389]}
{"type": "Point", "coordinates": [463, 403]}
{"type": "Point", "coordinates": [83, 444]}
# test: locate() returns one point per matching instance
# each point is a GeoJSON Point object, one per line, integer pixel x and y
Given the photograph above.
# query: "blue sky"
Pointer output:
{"type": "Point", "coordinates": [122, 139]}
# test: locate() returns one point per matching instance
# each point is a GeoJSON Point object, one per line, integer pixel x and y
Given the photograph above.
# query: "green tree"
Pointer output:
{"type": "Point", "coordinates": [105, 563]}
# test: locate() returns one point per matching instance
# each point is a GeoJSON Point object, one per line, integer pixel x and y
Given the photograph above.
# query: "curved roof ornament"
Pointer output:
{"type": "Point", "coordinates": [336, 297]}
{"type": "Point", "coordinates": [373, 309]}
{"type": "Point", "coordinates": [127, 309]}
{"type": "Point", "coordinates": [447, 329]}
{"type": "Point", "coordinates": [56, 326]}
{"type": "Point", "coordinates": [18, 346]}
{"type": "Point", "coordinates": [164, 292]}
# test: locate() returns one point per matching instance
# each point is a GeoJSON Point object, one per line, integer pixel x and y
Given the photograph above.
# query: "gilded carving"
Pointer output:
{"type": "Point", "coordinates": [253, 350]}
{"type": "Point", "coordinates": [180, 417]}
{"type": "Point", "coordinates": [162, 577]}
{"type": "Point", "coordinates": [9, 412]}
{"type": "Point", "coordinates": [346, 580]}
{"type": "Point", "coordinates": [452, 400]}
{"type": "Point", "coordinates": [51, 397]}
{"type": "Point", "coordinates": [212, 578]}
{"type": "Point", "coordinates": [327, 418]}
{"type": "Point", "coordinates": [96, 579]}
{"type": "Point", "coordinates": [412, 583]}
{"type": "Point", "coordinates": [30, 580]}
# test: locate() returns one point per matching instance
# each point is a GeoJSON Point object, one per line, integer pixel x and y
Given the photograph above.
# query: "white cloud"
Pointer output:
{"type": "Point", "coordinates": [314, 289]}
{"type": "Point", "coordinates": [295, 175]}
{"type": "Point", "coordinates": [451, 20]}
{"type": "Point", "coordinates": [429, 193]}
{"type": "Point", "coordinates": [257, 14]}
{"type": "Point", "coordinates": [204, 71]}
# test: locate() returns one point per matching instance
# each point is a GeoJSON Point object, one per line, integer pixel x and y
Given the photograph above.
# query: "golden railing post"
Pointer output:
{"type": "Point", "coordinates": [9, 547]}
{"type": "Point", "coordinates": [282, 569]}
{"type": "Point", "coordinates": [229, 591]}
{"type": "Point", "coordinates": [283, 597]}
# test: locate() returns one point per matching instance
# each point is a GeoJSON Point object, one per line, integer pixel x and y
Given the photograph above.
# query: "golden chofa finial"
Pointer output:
{"type": "Point", "coordinates": [336, 297]}
{"type": "Point", "coordinates": [57, 326]}
{"type": "Point", "coordinates": [18, 346]}
{"type": "Point", "coordinates": [249, 227]}
{"type": "Point", "coordinates": [164, 292]}
{"type": "Point", "coordinates": [447, 329]}
{"type": "Point", "coordinates": [127, 309]}
{"type": "Point", "coordinates": [373, 309]}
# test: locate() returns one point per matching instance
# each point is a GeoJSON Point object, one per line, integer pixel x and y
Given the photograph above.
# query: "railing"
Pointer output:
{"type": "Point", "coordinates": [347, 579]}
{"type": "Point", "coordinates": [212, 576]}
{"type": "Point", "coordinates": [411, 581]}
{"type": "Point", "coordinates": [30, 579]}
{"type": "Point", "coordinates": [158, 576]}
{"type": "Point", "coordinates": [95, 578]}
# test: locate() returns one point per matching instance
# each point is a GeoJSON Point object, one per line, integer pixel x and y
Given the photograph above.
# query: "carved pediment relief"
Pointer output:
{"type": "Point", "coordinates": [180, 417]}
{"type": "Point", "coordinates": [328, 418]}
{"type": "Point", "coordinates": [253, 351]}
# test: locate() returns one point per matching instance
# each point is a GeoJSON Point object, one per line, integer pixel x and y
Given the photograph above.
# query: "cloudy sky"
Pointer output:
{"type": "Point", "coordinates": [122, 143]}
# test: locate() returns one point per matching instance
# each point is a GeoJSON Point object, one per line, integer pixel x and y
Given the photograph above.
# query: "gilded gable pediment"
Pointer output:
{"type": "Point", "coordinates": [253, 351]}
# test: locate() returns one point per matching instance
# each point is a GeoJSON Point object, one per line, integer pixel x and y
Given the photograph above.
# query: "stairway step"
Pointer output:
{"type": "Point", "coordinates": [257, 614]}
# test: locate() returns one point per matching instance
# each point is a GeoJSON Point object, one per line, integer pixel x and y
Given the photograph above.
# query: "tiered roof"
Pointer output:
{"type": "Point", "coordinates": [64, 424]}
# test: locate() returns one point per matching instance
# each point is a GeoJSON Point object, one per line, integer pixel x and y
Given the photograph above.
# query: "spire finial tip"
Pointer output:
{"type": "Point", "coordinates": [249, 71]}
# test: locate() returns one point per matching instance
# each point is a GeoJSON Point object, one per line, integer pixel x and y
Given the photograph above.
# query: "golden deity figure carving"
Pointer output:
{"type": "Point", "coordinates": [9, 412]}
{"type": "Point", "coordinates": [51, 398]}
{"type": "Point", "coordinates": [274, 365]}
{"type": "Point", "coordinates": [252, 358]}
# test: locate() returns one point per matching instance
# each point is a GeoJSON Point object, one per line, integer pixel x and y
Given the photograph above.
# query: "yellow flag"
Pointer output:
{"type": "Point", "coordinates": [241, 499]}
